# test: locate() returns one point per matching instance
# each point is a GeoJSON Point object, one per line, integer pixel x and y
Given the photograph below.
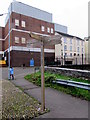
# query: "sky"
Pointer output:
{"type": "Point", "coordinates": [70, 13]}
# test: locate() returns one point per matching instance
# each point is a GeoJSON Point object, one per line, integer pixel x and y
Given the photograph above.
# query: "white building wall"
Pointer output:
{"type": "Point", "coordinates": [76, 59]}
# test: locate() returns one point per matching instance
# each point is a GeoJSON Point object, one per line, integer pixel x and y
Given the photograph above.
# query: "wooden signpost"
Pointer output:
{"type": "Point", "coordinates": [44, 41]}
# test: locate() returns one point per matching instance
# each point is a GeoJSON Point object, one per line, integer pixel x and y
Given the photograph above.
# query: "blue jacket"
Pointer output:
{"type": "Point", "coordinates": [11, 71]}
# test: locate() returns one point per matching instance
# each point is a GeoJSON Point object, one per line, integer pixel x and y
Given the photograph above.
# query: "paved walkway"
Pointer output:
{"type": "Point", "coordinates": [60, 104]}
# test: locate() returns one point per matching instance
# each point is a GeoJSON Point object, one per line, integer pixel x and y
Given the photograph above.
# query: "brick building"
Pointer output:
{"type": "Point", "coordinates": [23, 20]}
{"type": "Point", "coordinates": [1, 41]}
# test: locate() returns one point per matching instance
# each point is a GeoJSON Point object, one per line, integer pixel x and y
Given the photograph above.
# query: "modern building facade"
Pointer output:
{"type": "Point", "coordinates": [71, 51]}
{"type": "Point", "coordinates": [23, 20]}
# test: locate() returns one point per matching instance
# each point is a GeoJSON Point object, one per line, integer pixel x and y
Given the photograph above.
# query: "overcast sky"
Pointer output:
{"type": "Point", "coordinates": [71, 13]}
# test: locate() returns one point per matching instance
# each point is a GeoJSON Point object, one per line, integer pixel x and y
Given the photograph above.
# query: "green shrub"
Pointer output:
{"type": "Point", "coordinates": [49, 79]}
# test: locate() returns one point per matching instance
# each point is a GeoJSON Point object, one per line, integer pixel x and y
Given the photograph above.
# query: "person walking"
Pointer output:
{"type": "Point", "coordinates": [11, 73]}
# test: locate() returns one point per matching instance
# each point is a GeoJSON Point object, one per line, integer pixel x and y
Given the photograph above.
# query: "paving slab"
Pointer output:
{"type": "Point", "coordinates": [60, 104]}
{"type": "Point", "coordinates": [30, 86]}
{"type": "Point", "coordinates": [21, 82]}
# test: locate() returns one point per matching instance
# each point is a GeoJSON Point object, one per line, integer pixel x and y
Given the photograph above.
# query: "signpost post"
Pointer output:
{"type": "Point", "coordinates": [44, 41]}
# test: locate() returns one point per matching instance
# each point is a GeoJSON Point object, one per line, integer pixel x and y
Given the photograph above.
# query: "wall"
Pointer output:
{"type": "Point", "coordinates": [18, 58]}
{"type": "Point", "coordinates": [86, 51]}
{"type": "Point", "coordinates": [32, 24]}
{"type": "Point", "coordinates": [0, 45]}
{"type": "Point", "coordinates": [1, 38]}
{"type": "Point", "coordinates": [1, 32]}
{"type": "Point", "coordinates": [60, 28]}
{"type": "Point", "coordinates": [30, 11]}
{"type": "Point", "coordinates": [69, 72]}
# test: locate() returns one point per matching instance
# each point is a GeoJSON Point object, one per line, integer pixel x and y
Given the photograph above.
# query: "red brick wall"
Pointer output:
{"type": "Point", "coordinates": [2, 32]}
{"type": "Point", "coordinates": [18, 58]}
{"type": "Point", "coordinates": [32, 24]}
{"type": "Point", "coordinates": [6, 41]}
{"type": "Point", "coordinates": [1, 37]}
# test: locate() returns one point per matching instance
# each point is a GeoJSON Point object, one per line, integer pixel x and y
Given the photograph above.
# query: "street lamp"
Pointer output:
{"type": "Point", "coordinates": [8, 45]}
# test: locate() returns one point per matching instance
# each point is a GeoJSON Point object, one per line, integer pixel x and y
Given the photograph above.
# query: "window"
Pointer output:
{"type": "Point", "coordinates": [23, 24]}
{"type": "Point", "coordinates": [78, 49]}
{"type": "Point", "coordinates": [42, 28]}
{"type": "Point", "coordinates": [70, 54]}
{"type": "Point", "coordinates": [65, 47]}
{"type": "Point", "coordinates": [65, 40]}
{"type": "Point", "coordinates": [48, 30]}
{"type": "Point", "coordinates": [16, 39]}
{"type": "Point", "coordinates": [74, 54]}
{"type": "Point", "coordinates": [23, 40]}
{"type": "Point", "coordinates": [70, 48]}
{"type": "Point", "coordinates": [70, 41]}
{"type": "Point", "coordinates": [65, 54]}
{"type": "Point", "coordinates": [16, 22]}
{"type": "Point", "coordinates": [51, 30]}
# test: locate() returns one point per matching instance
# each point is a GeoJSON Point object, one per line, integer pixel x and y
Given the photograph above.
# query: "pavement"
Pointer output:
{"type": "Point", "coordinates": [61, 105]}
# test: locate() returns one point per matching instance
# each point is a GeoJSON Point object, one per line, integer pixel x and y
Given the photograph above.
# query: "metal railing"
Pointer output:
{"type": "Point", "coordinates": [73, 83]}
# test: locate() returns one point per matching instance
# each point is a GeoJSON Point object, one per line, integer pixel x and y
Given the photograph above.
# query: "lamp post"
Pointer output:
{"type": "Point", "coordinates": [8, 44]}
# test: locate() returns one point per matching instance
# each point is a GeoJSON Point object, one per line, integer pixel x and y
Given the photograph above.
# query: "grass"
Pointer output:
{"type": "Point", "coordinates": [49, 77]}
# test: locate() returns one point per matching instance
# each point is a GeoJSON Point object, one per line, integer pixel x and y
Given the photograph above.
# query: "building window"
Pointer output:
{"type": "Point", "coordinates": [23, 40]}
{"type": "Point", "coordinates": [52, 30]}
{"type": "Point", "coordinates": [65, 40]}
{"type": "Point", "coordinates": [70, 41]}
{"type": "Point", "coordinates": [78, 49]}
{"type": "Point", "coordinates": [65, 47]}
{"type": "Point", "coordinates": [16, 39]}
{"type": "Point", "coordinates": [42, 28]}
{"type": "Point", "coordinates": [23, 24]}
{"type": "Point", "coordinates": [74, 54]}
{"type": "Point", "coordinates": [16, 22]}
{"type": "Point", "coordinates": [48, 30]}
{"type": "Point", "coordinates": [65, 54]}
{"type": "Point", "coordinates": [70, 54]}
{"type": "Point", "coordinates": [70, 48]}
